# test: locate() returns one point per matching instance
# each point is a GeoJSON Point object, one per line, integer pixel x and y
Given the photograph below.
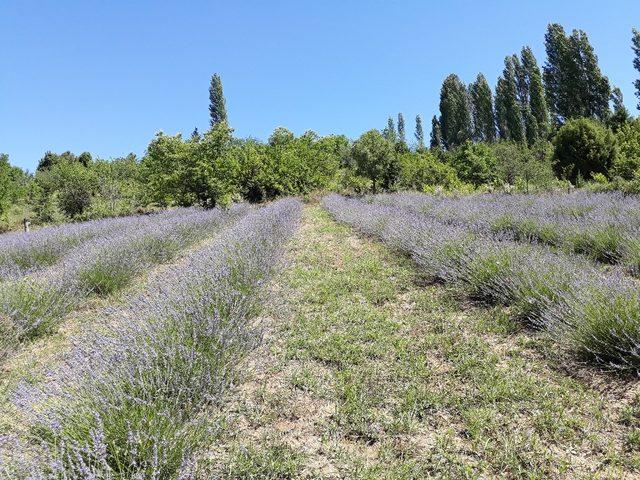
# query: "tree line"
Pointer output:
{"type": "Point", "coordinates": [559, 124]}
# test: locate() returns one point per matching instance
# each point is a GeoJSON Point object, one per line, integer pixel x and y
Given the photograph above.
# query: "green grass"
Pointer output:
{"type": "Point", "coordinates": [270, 461]}
{"type": "Point", "coordinates": [369, 374]}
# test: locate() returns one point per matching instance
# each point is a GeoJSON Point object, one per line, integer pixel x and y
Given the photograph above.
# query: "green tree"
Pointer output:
{"type": "Point", "coordinates": [584, 146]}
{"type": "Point", "coordinates": [217, 104]}
{"type": "Point", "coordinates": [212, 172]}
{"type": "Point", "coordinates": [119, 188]}
{"type": "Point", "coordinates": [281, 137]}
{"type": "Point", "coordinates": [289, 165]}
{"type": "Point", "coordinates": [50, 159]}
{"type": "Point", "coordinates": [164, 170]}
{"type": "Point", "coordinates": [555, 70]}
{"type": "Point", "coordinates": [455, 112]}
{"type": "Point", "coordinates": [202, 171]}
{"type": "Point", "coordinates": [422, 170]}
{"type": "Point", "coordinates": [635, 46]}
{"type": "Point", "coordinates": [575, 85]}
{"type": "Point", "coordinates": [374, 157]}
{"type": "Point", "coordinates": [419, 134]}
{"type": "Point", "coordinates": [620, 114]}
{"type": "Point", "coordinates": [484, 122]}
{"type": "Point", "coordinates": [389, 131]}
{"type": "Point", "coordinates": [539, 112]}
{"type": "Point", "coordinates": [68, 184]}
{"type": "Point", "coordinates": [401, 132]}
{"type": "Point", "coordinates": [627, 164]}
{"type": "Point", "coordinates": [474, 163]}
{"type": "Point", "coordinates": [524, 166]}
{"type": "Point", "coordinates": [435, 141]}
{"type": "Point", "coordinates": [14, 183]}
{"type": "Point", "coordinates": [508, 107]}
{"type": "Point", "coordinates": [6, 185]}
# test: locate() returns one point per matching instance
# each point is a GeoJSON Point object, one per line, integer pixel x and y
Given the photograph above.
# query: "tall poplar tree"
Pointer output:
{"type": "Point", "coordinates": [419, 133]}
{"type": "Point", "coordinates": [401, 132]}
{"type": "Point", "coordinates": [509, 115]}
{"type": "Point", "coordinates": [554, 70]}
{"type": "Point", "coordinates": [217, 105]}
{"type": "Point", "coordinates": [435, 141]}
{"type": "Point", "coordinates": [484, 123]}
{"type": "Point", "coordinates": [390, 131]}
{"type": "Point", "coordinates": [591, 83]}
{"type": "Point", "coordinates": [620, 114]}
{"type": "Point", "coordinates": [635, 45]}
{"type": "Point", "coordinates": [575, 85]}
{"type": "Point", "coordinates": [537, 101]}
{"type": "Point", "coordinates": [455, 112]}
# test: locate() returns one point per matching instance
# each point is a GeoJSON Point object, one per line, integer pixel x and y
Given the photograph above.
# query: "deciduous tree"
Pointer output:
{"type": "Point", "coordinates": [484, 123]}
{"type": "Point", "coordinates": [374, 157]}
{"type": "Point", "coordinates": [508, 107]}
{"type": "Point", "coordinates": [455, 112]}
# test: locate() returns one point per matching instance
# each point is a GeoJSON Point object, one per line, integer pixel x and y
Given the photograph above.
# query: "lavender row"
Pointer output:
{"type": "Point", "coordinates": [128, 401]}
{"type": "Point", "coordinates": [22, 253]}
{"type": "Point", "coordinates": [33, 305]}
{"type": "Point", "coordinates": [592, 313]}
{"type": "Point", "coordinates": [602, 226]}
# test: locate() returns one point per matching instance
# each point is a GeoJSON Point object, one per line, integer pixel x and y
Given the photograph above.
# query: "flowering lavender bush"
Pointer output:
{"type": "Point", "coordinates": [22, 253]}
{"type": "Point", "coordinates": [128, 401]}
{"type": "Point", "coordinates": [591, 311]}
{"type": "Point", "coordinates": [33, 305]}
{"type": "Point", "coordinates": [603, 226]}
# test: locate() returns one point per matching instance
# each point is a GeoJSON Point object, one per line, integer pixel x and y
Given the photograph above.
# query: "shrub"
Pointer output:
{"type": "Point", "coordinates": [474, 163]}
{"type": "Point", "coordinates": [522, 166]}
{"type": "Point", "coordinates": [627, 164]}
{"type": "Point", "coordinates": [422, 170]}
{"type": "Point", "coordinates": [584, 146]}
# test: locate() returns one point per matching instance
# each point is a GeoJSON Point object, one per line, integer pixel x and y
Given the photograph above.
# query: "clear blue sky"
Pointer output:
{"type": "Point", "coordinates": [104, 76]}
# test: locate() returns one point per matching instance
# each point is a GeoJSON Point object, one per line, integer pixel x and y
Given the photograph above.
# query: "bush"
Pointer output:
{"type": "Point", "coordinates": [419, 171]}
{"type": "Point", "coordinates": [582, 147]}
{"type": "Point", "coordinates": [287, 165]}
{"type": "Point", "coordinates": [475, 163]}
{"type": "Point", "coordinates": [522, 166]}
{"type": "Point", "coordinates": [627, 164]}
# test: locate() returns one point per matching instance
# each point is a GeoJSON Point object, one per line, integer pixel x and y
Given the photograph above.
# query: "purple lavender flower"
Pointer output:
{"type": "Point", "coordinates": [126, 400]}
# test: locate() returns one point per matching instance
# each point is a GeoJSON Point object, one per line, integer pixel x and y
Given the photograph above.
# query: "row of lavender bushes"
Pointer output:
{"type": "Point", "coordinates": [129, 401]}
{"type": "Point", "coordinates": [603, 226]}
{"type": "Point", "coordinates": [592, 312]}
{"type": "Point", "coordinates": [31, 306]}
{"type": "Point", "coordinates": [22, 253]}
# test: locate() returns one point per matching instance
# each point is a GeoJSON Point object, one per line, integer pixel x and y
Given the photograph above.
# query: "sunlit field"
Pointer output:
{"type": "Point", "coordinates": [386, 336]}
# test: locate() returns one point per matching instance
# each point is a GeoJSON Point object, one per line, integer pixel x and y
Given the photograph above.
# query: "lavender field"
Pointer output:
{"type": "Point", "coordinates": [123, 400]}
{"type": "Point", "coordinates": [285, 341]}
{"type": "Point", "coordinates": [546, 257]}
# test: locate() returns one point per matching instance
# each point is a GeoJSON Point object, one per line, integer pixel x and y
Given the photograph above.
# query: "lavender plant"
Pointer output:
{"type": "Point", "coordinates": [31, 306]}
{"type": "Point", "coordinates": [22, 253]}
{"type": "Point", "coordinates": [602, 226]}
{"type": "Point", "coordinates": [128, 400]}
{"type": "Point", "coordinates": [592, 312]}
